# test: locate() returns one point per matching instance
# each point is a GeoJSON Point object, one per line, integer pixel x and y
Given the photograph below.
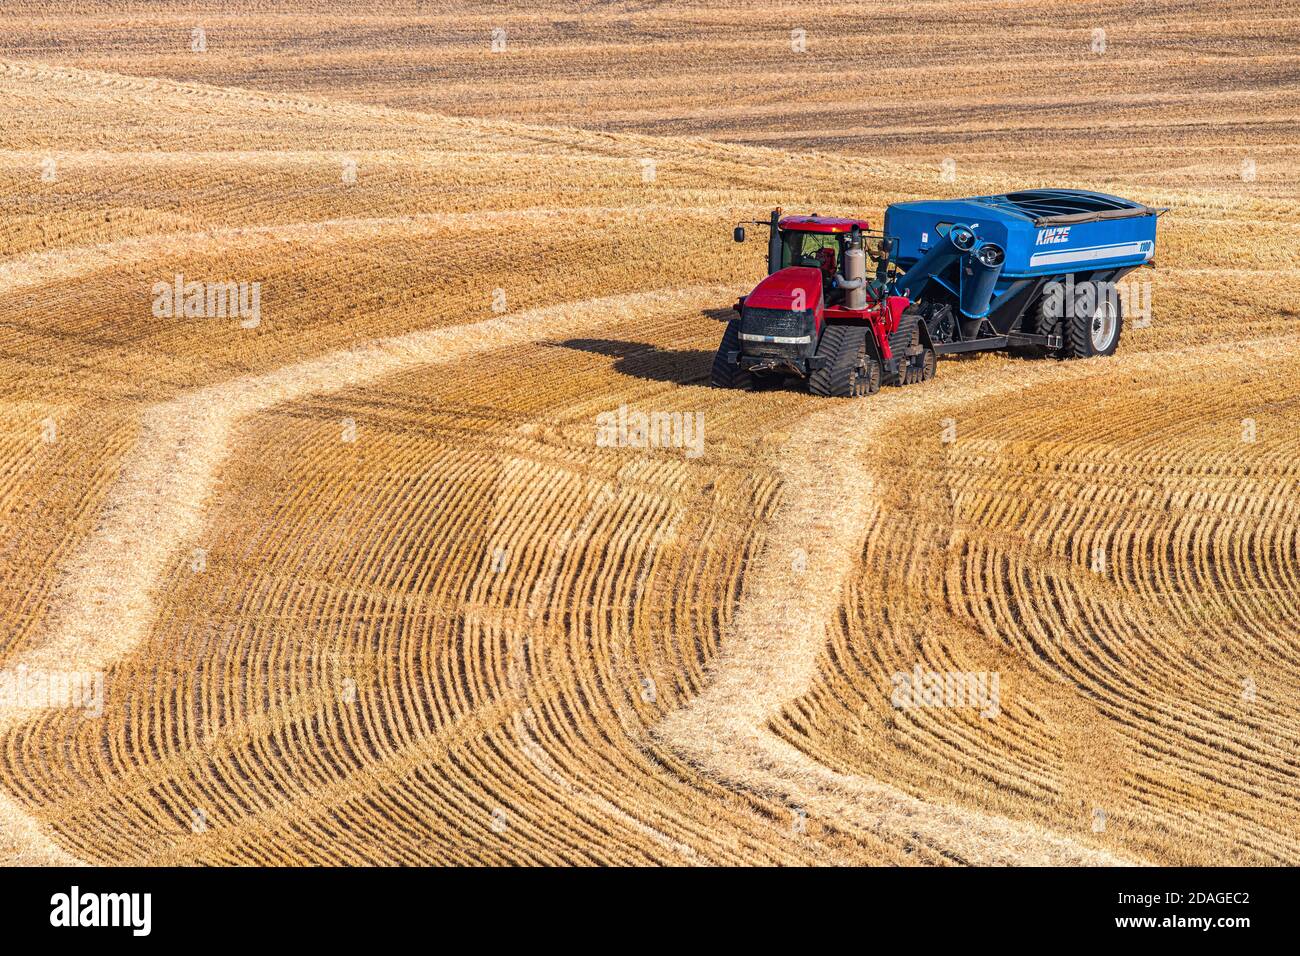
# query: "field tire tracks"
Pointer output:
{"type": "Point", "coordinates": [105, 602]}
{"type": "Point", "coordinates": [770, 658]}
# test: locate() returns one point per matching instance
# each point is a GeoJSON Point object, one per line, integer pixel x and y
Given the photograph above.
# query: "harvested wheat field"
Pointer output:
{"type": "Point", "coordinates": [349, 576]}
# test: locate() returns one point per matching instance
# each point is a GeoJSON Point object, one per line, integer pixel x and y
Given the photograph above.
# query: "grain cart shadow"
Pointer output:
{"type": "Point", "coordinates": [646, 361]}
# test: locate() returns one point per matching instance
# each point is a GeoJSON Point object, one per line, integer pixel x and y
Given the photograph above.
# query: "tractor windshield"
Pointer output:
{"type": "Point", "coordinates": [810, 249]}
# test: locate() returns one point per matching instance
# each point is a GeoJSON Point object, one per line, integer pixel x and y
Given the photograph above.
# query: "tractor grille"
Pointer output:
{"type": "Point", "coordinates": [777, 332]}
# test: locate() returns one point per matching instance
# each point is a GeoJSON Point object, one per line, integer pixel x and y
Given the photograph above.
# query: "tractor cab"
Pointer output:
{"type": "Point", "coordinates": [817, 242]}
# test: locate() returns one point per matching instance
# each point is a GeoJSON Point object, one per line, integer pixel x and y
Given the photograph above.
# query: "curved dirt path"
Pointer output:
{"type": "Point", "coordinates": [771, 656]}
{"type": "Point", "coordinates": [157, 501]}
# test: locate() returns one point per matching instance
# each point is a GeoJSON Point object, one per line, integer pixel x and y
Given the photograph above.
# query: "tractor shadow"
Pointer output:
{"type": "Point", "coordinates": [645, 361]}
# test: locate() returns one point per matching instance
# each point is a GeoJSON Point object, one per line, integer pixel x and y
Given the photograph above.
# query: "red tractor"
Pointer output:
{"type": "Point", "coordinates": [819, 316]}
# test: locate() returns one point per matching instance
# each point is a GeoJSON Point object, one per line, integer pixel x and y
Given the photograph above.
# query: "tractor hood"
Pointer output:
{"type": "Point", "coordinates": [797, 288]}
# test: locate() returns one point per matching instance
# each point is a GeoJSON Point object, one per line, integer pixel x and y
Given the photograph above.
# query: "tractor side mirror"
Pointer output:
{"type": "Point", "coordinates": [738, 234]}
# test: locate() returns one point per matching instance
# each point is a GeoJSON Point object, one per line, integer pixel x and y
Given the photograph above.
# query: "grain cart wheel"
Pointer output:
{"type": "Point", "coordinates": [725, 374]}
{"type": "Point", "coordinates": [850, 370]}
{"type": "Point", "coordinates": [1095, 322]}
{"type": "Point", "coordinates": [904, 345]}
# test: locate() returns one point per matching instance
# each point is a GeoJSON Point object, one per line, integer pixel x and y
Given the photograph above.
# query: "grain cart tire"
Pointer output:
{"type": "Point", "coordinates": [1095, 322]}
{"type": "Point", "coordinates": [850, 369]}
{"type": "Point", "coordinates": [725, 374]}
{"type": "Point", "coordinates": [906, 337]}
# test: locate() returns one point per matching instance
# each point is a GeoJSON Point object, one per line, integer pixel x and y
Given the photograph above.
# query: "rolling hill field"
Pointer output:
{"type": "Point", "coordinates": [349, 576]}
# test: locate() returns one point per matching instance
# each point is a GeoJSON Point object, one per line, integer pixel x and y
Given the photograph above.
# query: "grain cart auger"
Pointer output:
{"type": "Point", "coordinates": [1033, 272]}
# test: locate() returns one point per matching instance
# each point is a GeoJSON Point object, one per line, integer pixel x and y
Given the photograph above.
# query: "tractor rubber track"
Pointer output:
{"type": "Point", "coordinates": [724, 374]}
{"type": "Point", "coordinates": [906, 336]}
{"type": "Point", "coordinates": [841, 344]}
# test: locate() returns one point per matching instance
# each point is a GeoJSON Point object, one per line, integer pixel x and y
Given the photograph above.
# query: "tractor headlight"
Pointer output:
{"type": "Point", "coordinates": [961, 237]}
{"type": "Point", "coordinates": [990, 254]}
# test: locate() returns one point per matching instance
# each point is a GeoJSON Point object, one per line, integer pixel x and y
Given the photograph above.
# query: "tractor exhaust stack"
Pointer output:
{"type": "Point", "coordinates": [854, 278]}
{"type": "Point", "coordinates": [774, 243]}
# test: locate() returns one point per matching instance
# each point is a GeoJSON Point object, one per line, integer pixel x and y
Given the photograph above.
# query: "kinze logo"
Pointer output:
{"type": "Point", "coordinates": [102, 909]}
{"type": "Point", "coordinates": [1051, 237]}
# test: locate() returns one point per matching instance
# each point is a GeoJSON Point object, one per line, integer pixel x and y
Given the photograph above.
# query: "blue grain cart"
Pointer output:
{"type": "Point", "coordinates": [1031, 271]}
